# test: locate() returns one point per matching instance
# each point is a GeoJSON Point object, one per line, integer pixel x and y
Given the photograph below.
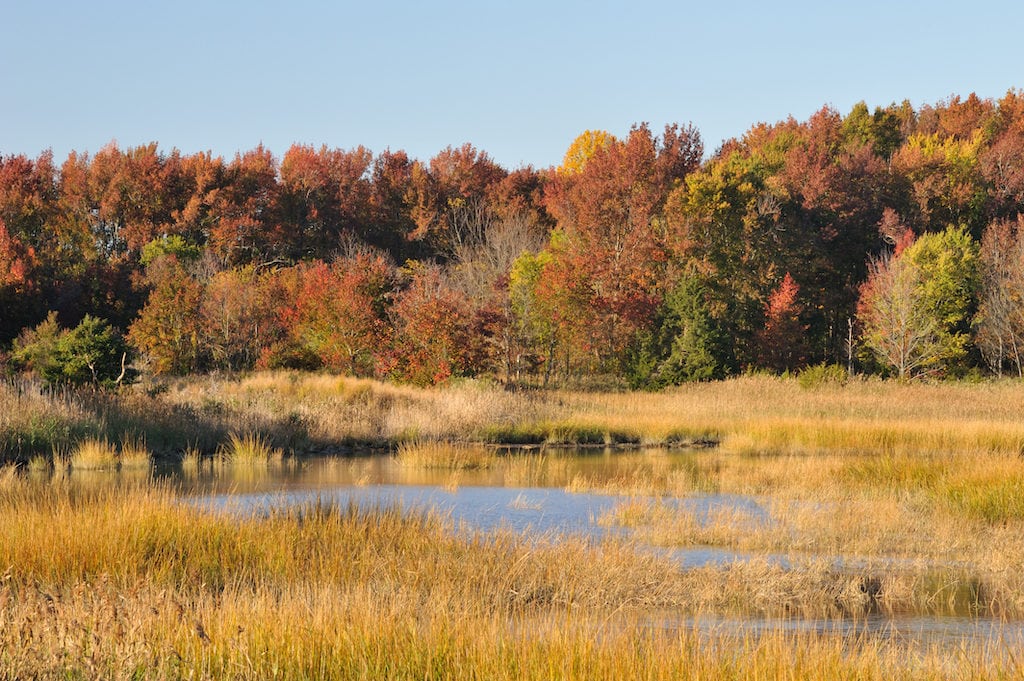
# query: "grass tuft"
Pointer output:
{"type": "Point", "coordinates": [134, 454]}
{"type": "Point", "coordinates": [94, 455]}
{"type": "Point", "coordinates": [430, 454]}
{"type": "Point", "coordinates": [250, 448]}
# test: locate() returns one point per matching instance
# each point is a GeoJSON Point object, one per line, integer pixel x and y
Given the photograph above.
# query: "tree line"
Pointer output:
{"type": "Point", "coordinates": [888, 241]}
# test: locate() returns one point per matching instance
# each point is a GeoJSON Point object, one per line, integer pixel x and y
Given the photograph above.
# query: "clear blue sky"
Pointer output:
{"type": "Point", "coordinates": [517, 79]}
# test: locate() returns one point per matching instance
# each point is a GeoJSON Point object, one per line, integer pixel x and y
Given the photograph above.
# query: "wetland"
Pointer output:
{"type": "Point", "coordinates": [751, 527]}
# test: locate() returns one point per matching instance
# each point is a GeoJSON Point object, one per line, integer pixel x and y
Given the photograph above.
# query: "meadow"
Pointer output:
{"type": "Point", "coordinates": [883, 499]}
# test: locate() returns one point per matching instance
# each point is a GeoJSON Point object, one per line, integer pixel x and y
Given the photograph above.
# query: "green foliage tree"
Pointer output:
{"type": "Point", "coordinates": [917, 305]}
{"type": "Point", "coordinates": [533, 322]}
{"type": "Point", "coordinates": [34, 348]}
{"type": "Point", "coordinates": [687, 345]}
{"type": "Point", "coordinates": [91, 353]}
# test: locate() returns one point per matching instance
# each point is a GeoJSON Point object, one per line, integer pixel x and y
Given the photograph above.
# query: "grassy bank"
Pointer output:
{"type": "Point", "coordinates": [106, 582]}
{"type": "Point", "coordinates": [310, 413]}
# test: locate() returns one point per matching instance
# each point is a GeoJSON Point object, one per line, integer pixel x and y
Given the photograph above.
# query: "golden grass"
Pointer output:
{"type": "Point", "coordinates": [919, 487]}
{"type": "Point", "coordinates": [133, 453]}
{"type": "Point", "coordinates": [191, 458]}
{"type": "Point", "coordinates": [431, 454]}
{"type": "Point", "coordinates": [8, 475]}
{"type": "Point", "coordinates": [109, 582]}
{"type": "Point", "coordinates": [92, 455]}
{"type": "Point", "coordinates": [39, 463]}
{"type": "Point", "coordinates": [251, 448]}
{"type": "Point", "coordinates": [753, 415]}
{"type": "Point", "coordinates": [328, 633]}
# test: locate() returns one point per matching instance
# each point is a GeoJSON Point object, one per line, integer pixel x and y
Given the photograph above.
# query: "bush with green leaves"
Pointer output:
{"type": "Point", "coordinates": [92, 353]}
{"type": "Point", "coordinates": [821, 375]}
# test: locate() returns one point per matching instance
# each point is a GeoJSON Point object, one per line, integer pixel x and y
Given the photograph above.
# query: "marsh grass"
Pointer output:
{"type": "Point", "coordinates": [192, 459]}
{"type": "Point", "coordinates": [121, 581]}
{"type": "Point", "coordinates": [39, 463]}
{"type": "Point", "coordinates": [752, 415]}
{"type": "Point", "coordinates": [432, 454]}
{"type": "Point", "coordinates": [133, 453]}
{"type": "Point", "coordinates": [92, 455]}
{"type": "Point", "coordinates": [251, 448]}
{"type": "Point", "coordinates": [918, 489]}
{"type": "Point", "coordinates": [8, 475]}
{"type": "Point", "coordinates": [919, 554]}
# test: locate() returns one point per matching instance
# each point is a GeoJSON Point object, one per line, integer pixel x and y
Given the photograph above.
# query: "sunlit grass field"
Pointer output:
{"type": "Point", "coordinates": [313, 412]}
{"type": "Point", "coordinates": [918, 489]}
{"type": "Point", "coordinates": [108, 581]}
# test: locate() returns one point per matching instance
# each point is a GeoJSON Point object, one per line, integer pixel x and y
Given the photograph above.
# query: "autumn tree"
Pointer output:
{"type": "Point", "coordinates": [16, 284]}
{"type": "Point", "coordinates": [532, 322]}
{"type": "Point", "coordinates": [29, 252]}
{"type": "Point", "coordinates": [1000, 319]}
{"type": "Point", "coordinates": [168, 329]}
{"type": "Point", "coordinates": [798, 197]}
{"type": "Point", "coordinates": [339, 312]}
{"type": "Point", "coordinates": [726, 227]}
{"type": "Point", "coordinates": [782, 343]}
{"type": "Point", "coordinates": [483, 259]}
{"type": "Point", "coordinates": [248, 226]}
{"type": "Point", "coordinates": [325, 194]}
{"type": "Point", "coordinates": [432, 339]}
{"type": "Point", "coordinates": [583, 148]}
{"type": "Point", "coordinates": [459, 180]}
{"type": "Point", "coordinates": [945, 180]}
{"type": "Point", "coordinates": [916, 306]}
{"type": "Point", "coordinates": [234, 318]}
{"type": "Point", "coordinates": [612, 254]}
{"type": "Point", "coordinates": [198, 181]}
{"type": "Point", "coordinates": [897, 328]}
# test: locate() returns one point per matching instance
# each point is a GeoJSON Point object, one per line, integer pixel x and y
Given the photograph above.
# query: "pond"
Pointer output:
{"type": "Point", "coordinates": [550, 495]}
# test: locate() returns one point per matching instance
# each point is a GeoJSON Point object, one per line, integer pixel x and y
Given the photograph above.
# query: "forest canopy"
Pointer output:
{"type": "Point", "coordinates": [888, 241]}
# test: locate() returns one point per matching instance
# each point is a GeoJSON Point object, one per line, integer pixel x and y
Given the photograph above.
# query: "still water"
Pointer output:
{"type": "Point", "coordinates": [528, 493]}
{"type": "Point", "coordinates": [550, 495]}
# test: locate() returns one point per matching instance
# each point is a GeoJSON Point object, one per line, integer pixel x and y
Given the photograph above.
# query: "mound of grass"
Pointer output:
{"type": "Point", "coordinates": [432, 454]}
{"type": "Point", "coordinates": [251, 448]}
{"type": "Point", "coordinates": [93, 455]}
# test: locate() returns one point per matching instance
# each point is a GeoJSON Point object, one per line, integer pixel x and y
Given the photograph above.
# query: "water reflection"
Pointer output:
{"type": "Point", "coordinates": [540, 493]}
{"type": "Point", "coordinates": [548, 469]}
{"type": "Point", "coordinates": [916, 634]}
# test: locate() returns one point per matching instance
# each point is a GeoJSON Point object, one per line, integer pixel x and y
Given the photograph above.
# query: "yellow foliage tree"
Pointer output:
{"type": "Point", "coordinates": [583, 148]}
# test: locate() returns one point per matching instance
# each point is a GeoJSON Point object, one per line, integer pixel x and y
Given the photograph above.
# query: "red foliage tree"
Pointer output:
{"type": "Point", "coordinates": [16, 261]}
{"type": "Point", "coordinates": [338, 312]}
{"type": "Point", "coordinates": [433, 339]}
{"type": "Point", "coordinates": [168, 330]}
{"type": "Point", "coordinates": [613, 255]}
{"type": "Point", "coordinates": [325, 194]}
{"type": "Point", "coordinates": [248, 228]}
{"type": "Point", "coordinates": [782, 343]}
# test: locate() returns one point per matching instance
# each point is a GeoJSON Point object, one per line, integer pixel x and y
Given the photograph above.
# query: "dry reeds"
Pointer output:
{"type": "Point", "coordinates": [133, 454]}
{"type": "Point", "coordinates": [431, 454]}
{"type": "Point", "coordinates": [251, 448]}
{"type": "Point", "coordinates": [752, 416]}
{"type": "Point", "coordinates": [93, 455]}
{"type": "Point", "coordinates": [102, 582]}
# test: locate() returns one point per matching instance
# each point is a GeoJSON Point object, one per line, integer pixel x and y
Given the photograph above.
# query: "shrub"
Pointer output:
{"type": "Point", "coordinates": [91, 353]}
{"type": "Point", "coordinates": [822, 374]}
